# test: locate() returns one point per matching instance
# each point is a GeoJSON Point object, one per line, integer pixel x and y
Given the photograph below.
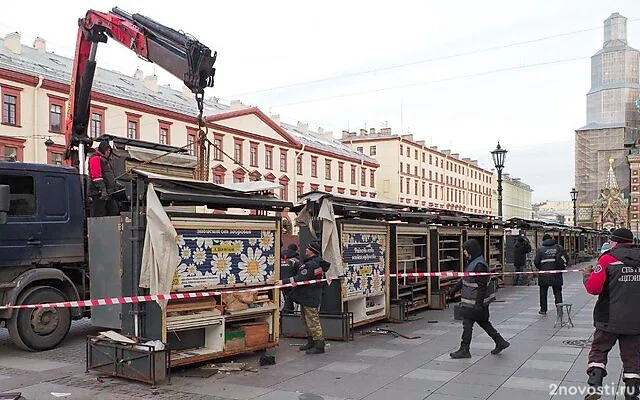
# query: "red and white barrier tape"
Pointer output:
{"type": "Point", "coordinates": [191, 295]}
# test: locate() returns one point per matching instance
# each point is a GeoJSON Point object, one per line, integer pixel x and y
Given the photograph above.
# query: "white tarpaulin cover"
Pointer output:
{"type": "Point", "coordinates": [160, 254]}
{"type": "Point", "coordinates": [330, 240]}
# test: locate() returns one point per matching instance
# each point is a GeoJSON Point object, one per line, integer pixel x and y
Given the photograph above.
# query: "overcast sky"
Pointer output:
{"type": "Point", "coordinates": [466, 103]}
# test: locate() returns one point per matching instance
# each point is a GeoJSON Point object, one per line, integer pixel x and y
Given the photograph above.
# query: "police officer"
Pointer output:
{"type": "Point", "coordinates": [310, 296]}
{"type": "Point", "coordinates": [520, 251]}
{"type": "Point", "coordinates": [477, 293]}
{"type": "Point", "coordinates": [549, 257]}
{"type": "Point", "coordinates": [616, 281]}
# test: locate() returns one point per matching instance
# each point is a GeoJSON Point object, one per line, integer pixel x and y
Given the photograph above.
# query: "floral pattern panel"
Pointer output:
{"type": "Point", "coordinates": [364, 258]}
{"type": "Point", "coordinates": [224, 257]}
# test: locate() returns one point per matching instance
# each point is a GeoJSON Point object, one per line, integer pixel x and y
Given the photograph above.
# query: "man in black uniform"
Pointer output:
{"type": "Point", "coordinates": [520, 251]}
{"type": "Point", "coordinates": [310, 296]}
{"type": "Point", "coordinates": [288, 269]}
{"type": "Point", "coordinates": [616, 282]}
{"type": "Point", "coordinates": [550, 257]}
{"type": "Point", "coordinates": [477, 293]}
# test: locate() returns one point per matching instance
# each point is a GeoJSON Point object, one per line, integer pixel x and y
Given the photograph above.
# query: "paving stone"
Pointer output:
{"type": "Point", "coordinates": [283, 395]}
{"type": "Point", "coordinates": [465, 391]}
{"type": "Point", "coordinates": [559, 350]}
{"type": "Point", "coordinates": [472, 378]}
{"type": "Point", "coordinates": [375, 352]}
{"type": "Point", "coordinates": [536, 384]}
{"type": "Point", "coordinates": [431, 375]}
{"type": "Point", "coordinates": [431, 332]}
{"type": "Point", "coordinates": [422, 386]}
{"type": "Point", "coordinates": [348, 367]}
{"type": "Point", "coordinates": [513, 327]}
{"type": "Point", "coordinates": [386, 394]}
{"type": "Point", "coordinates": [29, 364]}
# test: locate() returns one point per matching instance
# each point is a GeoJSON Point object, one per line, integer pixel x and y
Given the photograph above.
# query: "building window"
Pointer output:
{"type": "Point", "coordinates": [218, 175]}
{"type": "Point", "coordinates": [423, 157]}
{"type": "Point", "coordinates": [56, 113]}
{"type": "Point", "coordinates": [237, 150]}
{"type": "Point", "coordinates": [408, 186]}
{"type": "Point", "coordinates": [408, 169]}
{"type": "Point", "coordinates": [415, 171]}
{"type": "Point", "coordinates": [238, 175]}
{"type": "Point", "coordinates": [283, 160]}
{"type": "Point", "coordinates": [217, 148]}
{"type": "Point", "coordinates": [363, 177]}
{"type": "Point", "coordinates": [408, 151]}
{"type": "Point", "coordinates": [97, 122]}
{"type": "Point", "coordinates": [372, 151]}
{"type": "Point", "coordinates": [327, 169]}
{"type": "Point", "coordinates": [11, 149]}
{"type": "Point", "coordinates": [192, 135]}
{"type": "Point", "coordinates": [10, 105]}
{"type": "Point", "coordinates": [401, 149]}
{"type": "Point", "coordinates": [401, 185]}
{"type": "Point", "coordinates": [253, 154]}
{"type": "Point", "coordinates": [133, 126]}
{"type": "Point", "coordinates": [165, 132]}
{"type": "Point", "coordinates": [359, 149]}
{"type": "Point", "coordinates": [372, 178]}
{"type": "Point", "coordinates": [415, 187]}
{"type": "Point", "coordinates": [299, 189]}
{"type": "Point", "coordinates": [340, 172]}
{"type": "Point", "coordinates": [353, 174]}
{"type": "Point", "coordinates": [299, 164]}
{"type": "Point", "coordinates": [314, 166]}
{"type": "Point", "coordinates": [401, 167]}
{"type": "Point", "coordinates": [284, 189]}
{"type": "Point", "coordinates": [55, 154]}
{"type": "Point", "coordinates": [268, 157]}
{"type": "Point", "coordinates": [423, 188]}
{"type": "Point", "coordinates": [415, 154]}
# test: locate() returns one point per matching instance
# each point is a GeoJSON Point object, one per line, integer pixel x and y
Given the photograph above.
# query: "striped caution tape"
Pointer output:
{"type": "Point", "coordinates": [176, 296]}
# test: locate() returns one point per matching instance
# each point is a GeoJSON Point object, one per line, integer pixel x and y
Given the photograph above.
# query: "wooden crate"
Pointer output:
{"type": "Point", "coordinates": [256, 334]}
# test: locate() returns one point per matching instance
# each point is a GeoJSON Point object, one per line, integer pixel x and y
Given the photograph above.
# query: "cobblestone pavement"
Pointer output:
{"type": "Point", "coordinates": [541, 358]}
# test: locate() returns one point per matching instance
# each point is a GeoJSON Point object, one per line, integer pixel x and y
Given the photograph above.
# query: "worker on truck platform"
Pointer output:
{"type": "Point", "coordinates": [102, 184]}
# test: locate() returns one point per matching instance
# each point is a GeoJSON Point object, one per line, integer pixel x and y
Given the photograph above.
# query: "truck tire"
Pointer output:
{"type": "Point", "coordinates": [37, 329]}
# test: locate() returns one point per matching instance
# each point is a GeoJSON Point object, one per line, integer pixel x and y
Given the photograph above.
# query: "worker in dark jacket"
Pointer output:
{"type": "Point", "coordinates": [477, 293]}
{"type": "Point", "coordinates": [102, 183]}
{"type": "Point", "coordinates": [309, 296]}
{"type": "Point", "coordinates": [616, 281]}
{"type": "Point", "coordinates": [288, 269]}
{"type": "Point", "coordinates": [550, 257]}
{"type": "Point", "coordinates": [520, 251]}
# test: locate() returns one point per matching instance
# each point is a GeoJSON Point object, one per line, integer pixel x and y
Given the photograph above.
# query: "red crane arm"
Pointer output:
{"type": "Point", "coordinates": [179, 54]}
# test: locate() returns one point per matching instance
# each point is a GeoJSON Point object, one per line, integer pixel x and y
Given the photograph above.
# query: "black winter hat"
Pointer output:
{"type": "Point", "coordinates": [473, 247]}
{"type": "Point", "coordinates": [292, 247]}
{"type": "Point", "coordinates": [622, 235]}
{"type": "Point", "coordinates": [315, 247]}
{"type": "Point", "coordinates": [547, 236]}
{"type": "Point", "coordinates": [104, 146]}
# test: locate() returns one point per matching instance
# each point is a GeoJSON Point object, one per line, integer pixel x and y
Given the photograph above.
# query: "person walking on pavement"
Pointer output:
{"type": "Point", "coordinates": [102, 183]}
{"type": "Point", "coordinates": [477, 293]}
{"type": "Point", "coordinates": [616, 281]}
{"type": "Point", "coordinates": [310, 296]}
{"type": "Point", "coordinates": [520, 251]}
{"type": "Point", "coordinates": [550, 256]}
{"type": "Point", "coordinates": [288, 269]}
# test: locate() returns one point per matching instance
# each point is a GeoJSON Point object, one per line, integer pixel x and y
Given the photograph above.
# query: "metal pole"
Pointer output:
{"type": "Point", "coordinates": [575, 222]}
{"type": "Point", "coordinates": [500, 193]}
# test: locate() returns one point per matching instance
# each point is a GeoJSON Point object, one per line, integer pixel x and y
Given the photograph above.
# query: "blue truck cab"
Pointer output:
{"type": "Point", "coordinates": [43, 250]}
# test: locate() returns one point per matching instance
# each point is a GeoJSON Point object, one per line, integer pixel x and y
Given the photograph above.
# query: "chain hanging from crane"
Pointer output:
{"type": "Point", "coordinates": [204, 145]}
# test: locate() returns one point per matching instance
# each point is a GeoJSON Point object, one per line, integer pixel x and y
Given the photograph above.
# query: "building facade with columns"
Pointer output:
{"type": "Point", "coordinates": [250, 145]}
{"type": "Point", "coordinates": [418, 175]}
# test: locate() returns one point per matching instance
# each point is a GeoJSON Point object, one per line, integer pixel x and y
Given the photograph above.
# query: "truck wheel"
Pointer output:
{"type": "Point", "coordinates": [37, 329]}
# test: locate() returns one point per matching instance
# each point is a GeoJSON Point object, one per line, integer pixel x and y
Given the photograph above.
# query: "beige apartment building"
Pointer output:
{"type": "Point", "coordinates": [516, 198]}
{"type": "Point", "coordinates": [34, 86]}
{"type": "Point", "coordinates": [419, 175]}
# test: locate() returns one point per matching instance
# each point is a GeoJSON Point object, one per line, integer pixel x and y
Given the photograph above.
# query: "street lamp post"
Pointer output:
{"type": "Point", "coordinates": [574, 198]}
{"type": "Point", "coordinates": [499, 155]}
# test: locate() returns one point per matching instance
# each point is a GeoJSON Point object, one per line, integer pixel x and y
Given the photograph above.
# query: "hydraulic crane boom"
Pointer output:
{"type": "Point", "coordinates": [179, 54]}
